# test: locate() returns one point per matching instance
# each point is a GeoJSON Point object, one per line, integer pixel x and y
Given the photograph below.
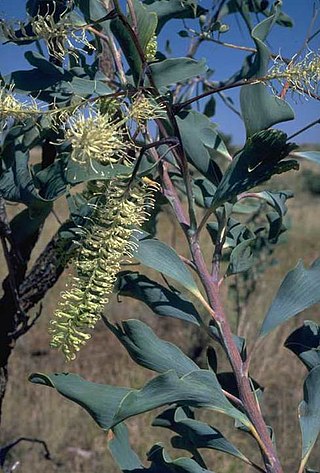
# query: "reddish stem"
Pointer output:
{"type": "Point", "coordinates": [245, 392]}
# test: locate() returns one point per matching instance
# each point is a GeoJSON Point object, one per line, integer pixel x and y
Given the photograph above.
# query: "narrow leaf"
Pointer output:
{"type": "Point", "coordinates": [170, 71]}
{"type": "Point", "coordinates": [110, 405]}
{"type": "Point", "coordinates": [194, 434]}
{"type": "Point", "coordinates": [299, 290]}
{"type": "Point", "coordinates": [309, 410]}
{"type": "Point", "coordinates": [150, 351]}
{"type": "Point", "coordinates": [162, 301]}
{"type": "Point", "coordinates": [122, 452]}
{"type": "Point", "coordinates": [305, 343]}
{"type": "Point", "coordinates": [157, 255]}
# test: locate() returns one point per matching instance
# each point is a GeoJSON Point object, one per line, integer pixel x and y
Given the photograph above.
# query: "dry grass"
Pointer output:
{"type": "Point", "coordinates": [76, 443]}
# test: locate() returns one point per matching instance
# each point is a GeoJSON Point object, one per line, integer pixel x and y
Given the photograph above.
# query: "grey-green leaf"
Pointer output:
{"type": "Point", "coordinates": [309, 155]}
{"type": "Point", "coordinates": [146, 23]}
{"type": "Point", "coordinates": [101, 401]}
{"type": "Point", "coordinates": [157, 255]}
{"type": "Point", "coordinates": [194, 434]}
{"type": "Point", "coordinates": [309, 410]}
{"type": "Point", "coordinates": [260, 109]}
{"type": "Point", "coordinates": [162, 463]}
{"type": "Point", "coordinates": [75, 173]}
{"type": "Point", "coordinates": [299, 290]}
{"type": "Point", "coordinates": [110, 405]}
{"type": "Point", "coordinates": [162, 301]}
{"type": "Point", "coordinates": [262, 156]}
{"type": "Point", "coordinates": [122, 452]}
{"type": "Point", "coordinates": [305, 343]}
{"type": "Point", "coordinates": [169, 9]}
{"type": "Point", "coordinates": [202, 142]}
{"type": "Point", "coordinates": [150, 351]}
{"type": "Point", "coordinates": [170, 71]}
{"type": "Point", "coordinates": [199, 389]}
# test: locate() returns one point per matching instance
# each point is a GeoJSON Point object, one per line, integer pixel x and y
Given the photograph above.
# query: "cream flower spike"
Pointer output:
{"type": "Point", "coordinates": [58, 36]}
{"type": "Point", "coordinates": [303, 76]}
{"type": "Point", "coordinates": [96, 137]}
{"type": "Point", "coordinates": [145, 108]}
{"type": "Point", "coordinates": [108, 243]}
{"type": "Point", "coordinates": [11, 107]}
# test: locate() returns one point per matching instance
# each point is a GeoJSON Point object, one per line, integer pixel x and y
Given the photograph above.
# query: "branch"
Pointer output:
{"type": "Point", "coordinates": [310, 125]}
{"type": "Point", "coordinates": [258, 429]}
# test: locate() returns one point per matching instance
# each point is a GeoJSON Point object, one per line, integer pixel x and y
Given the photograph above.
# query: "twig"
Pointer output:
{"type": "Point", "coordinates": [114, 51]}
{"type": "Point", "coordinates": [133, 16]}
{"type": "Point", "coordinates": [310, 125]}
{"type": "Point", "coordinates": [5, 450]}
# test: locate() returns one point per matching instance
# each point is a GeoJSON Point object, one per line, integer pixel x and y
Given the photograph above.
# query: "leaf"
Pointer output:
{"type": "Point", "coordinates": [309, 410]}
{"type": "Point", "coordinates": [86, 87]}
{"type": "Point", "coordinates": [299, 290]}
{"type": "Point", "coordinates": [161, 300]}
{"type": "Point", "coordinates": [194, 434]}
{"type": "Point", "coordinates": [128, 48]}
{"type": "Point", "coordinates": [38, 61]}
{"type": "Point", "coordinates": [277, 200]}
{"type": "Point", "coordinates": [146, 23]}
{"type": "Point", "coordinates": [262, 156]}
{"type": "Point", "coordinates": [170, 71]}
{"type": "Point", "coordinates": [199, 389]}
{"type": "Point", "coordinates": [260, 110]}
{"type": "Point", "coordinates": [310, 155]}
{"type": "Point", "coordinates": [17, 183]}
{"type": "Point", "coordinates": [51, 181]}
{"type": "Point", "coordinates": [150, 351]}
{"type": "Point", "coordinates": [241, 258]}
{"type": "Point", "coordinates": [256, 6]}
{"type": "Point", "coordinates": [101, 401]}
{"type": "Point", "coordinates": [169, 9]}
{"type": "Point", "coordinates": [201, 142]}
{"type": "Point", "coordinates": [109, 405]}
{"type": "Point", "coordinates": [305, 343]}
{"type": "Point", "coordinates": [210, 107]}
{"type": "Point", "coordinates": [93, 11]}
{"type": "Point", "coordinates": [32, 80]}
{"type": "Point", "coordinates": [239, 341]}
{"type": "Point", "coordinates": [162, 463]}
{"type": "Point", "coordinates": [157, 255]}
{"type": "Point", "coordinates": [76, 173]}
{"type": "Point", "coordinates": [122, 452]}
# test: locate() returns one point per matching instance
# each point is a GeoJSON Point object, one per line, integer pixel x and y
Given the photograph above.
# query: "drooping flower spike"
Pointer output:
{"type": "Point", "coordinates": [59, 36]}
{"type": "Point", "coordinates": [109, 242]}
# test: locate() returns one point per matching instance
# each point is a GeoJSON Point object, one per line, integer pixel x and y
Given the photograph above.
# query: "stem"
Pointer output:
{"type": "Point", "coordinates": [133, 16]}
{"type": "Point", "coordinates": [260, 430]}
{"type": "Point", "coordinates": [114, 51]}
{"type": "Point", "coordinates": [310, 125]}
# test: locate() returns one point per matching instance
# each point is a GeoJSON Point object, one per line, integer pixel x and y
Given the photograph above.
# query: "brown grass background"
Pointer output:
{"type": "Point", "coordinates": [76, 443]}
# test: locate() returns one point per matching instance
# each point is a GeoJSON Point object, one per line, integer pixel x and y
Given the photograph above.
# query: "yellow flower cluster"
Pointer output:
{"type": "Point", "coordinates": [10, 107]}
{"type": "Point", "coordinates": [109, 242]}
{"type": "Point", "coordinates": [145, 108]}
{"type": "Point", "coordinates": [96, 137]}
{"type": "Point", "coordinates": [303, 76]}
{"type": "Point", "coordinates": [151, 49]}
{"type": "Point", "coordinates": [58, 36]}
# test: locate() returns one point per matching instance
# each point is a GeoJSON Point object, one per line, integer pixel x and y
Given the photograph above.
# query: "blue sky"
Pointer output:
{"type": "Point", "coordinates": [223, 60]}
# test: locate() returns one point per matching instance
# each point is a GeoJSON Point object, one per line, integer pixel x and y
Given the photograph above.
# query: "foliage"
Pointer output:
{"type": "Point", "coordinates": [119, 148]}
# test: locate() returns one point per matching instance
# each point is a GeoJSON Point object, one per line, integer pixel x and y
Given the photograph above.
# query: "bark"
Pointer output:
{"type": "Point", "coordinates": [31, 289]}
